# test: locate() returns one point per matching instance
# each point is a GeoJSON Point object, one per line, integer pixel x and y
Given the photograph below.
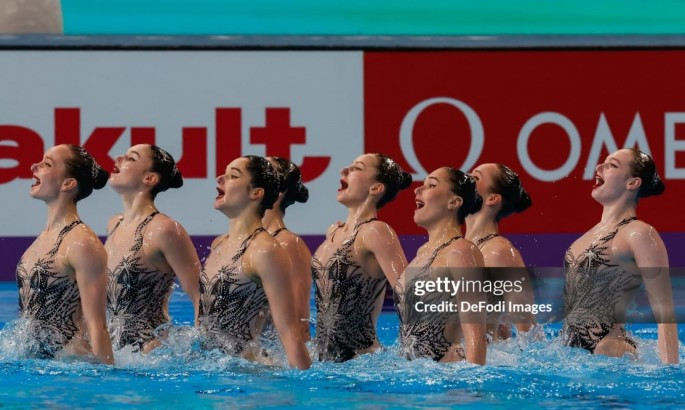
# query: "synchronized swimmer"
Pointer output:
{"type": "Point", "coordinates": [80, 298]}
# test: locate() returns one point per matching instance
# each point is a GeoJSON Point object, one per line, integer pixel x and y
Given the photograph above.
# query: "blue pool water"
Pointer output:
{"type": "Point", "coordinates": [520, 373]}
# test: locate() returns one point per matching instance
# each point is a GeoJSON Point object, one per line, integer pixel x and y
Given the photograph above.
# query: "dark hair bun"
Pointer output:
{"type": "Point", "coordinates": [302, 194]}
{"type": "Point", "coordinates": [88, 173]}
{"type": "Point", "coordinates": [524, 202]}
{"type": "Point", "coordinates": [176, 180]}
{"type": "Point", "coordinates": [643, 167]}
{"type": "Point", "coordinates": [507, 184]}
{"type": "Point", "coordinates": [392, 176]}
{"type": "Point", "coordinates": [405, 180]}
{"type": "Point", "coordinates": [165, 166]}
{"type": "Point", "coordinates": [100, 176]}
{"type": "Point", "coordinates": [290, 182]}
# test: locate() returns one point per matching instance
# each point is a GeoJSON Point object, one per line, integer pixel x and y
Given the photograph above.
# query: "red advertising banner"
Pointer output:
{"type": "Point", "coordinates": [552, 116]}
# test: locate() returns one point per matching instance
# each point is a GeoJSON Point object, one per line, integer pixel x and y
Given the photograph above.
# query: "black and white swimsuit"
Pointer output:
{"type": "Point", "coordinates": [346, 298]}
{"type": "Point", "coordinates": [137, 297]}
{"type": "Point", "coordinates": [593, 288]}
{"type": "Point", "coordinates": [422, 334]}
{"type": "Point", "coordinates": [49, 299]}
{"type": "Point", "coordinates": [230, 304]}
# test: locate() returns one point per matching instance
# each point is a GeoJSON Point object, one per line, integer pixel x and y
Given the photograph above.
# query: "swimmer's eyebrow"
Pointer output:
{"type": "Point", "coordinates": [359, 162]}
{"type": "Point", "coordinates": [50, 158]}
{"type": "Point", "coordinates": [436, 180]}
{"type": "Point", "coordinates": [476, 171]}
{"type": "Point", "coordinates": [135, 152]}
{"type": "Point", "coordinates": [614, 159]}
{"type": "Point", "coordinates": [236, 169]}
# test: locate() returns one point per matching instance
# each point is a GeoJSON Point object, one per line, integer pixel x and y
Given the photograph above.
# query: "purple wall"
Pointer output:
{"type": "Point", "coordinates": [538, 250]}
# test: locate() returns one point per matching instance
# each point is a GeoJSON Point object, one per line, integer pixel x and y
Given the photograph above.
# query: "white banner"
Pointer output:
{"type": "Point", "coordinates": [274, 99]}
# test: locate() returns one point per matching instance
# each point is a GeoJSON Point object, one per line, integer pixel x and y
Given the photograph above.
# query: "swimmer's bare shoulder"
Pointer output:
{"type": "Point", "coordinates": [162, 227]}
{"type": "Point", "coordinates": [463, 253]}
{"type": "Point", "coordinates": [378, 231]}
{"type": "Point", "coordinates": [643, 241]}
{"type": "Point", "coordinates": [500, 252]}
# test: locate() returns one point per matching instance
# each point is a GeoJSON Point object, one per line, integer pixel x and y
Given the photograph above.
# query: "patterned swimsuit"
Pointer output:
{"type": "Point", "coordinates": [230, 303]}
{"type": "Point", "coordinates": [346, 298]}
{"type": "Point", "coordinates": [422, 334]}
{"type": "Point", "coordinates": [50, 300]}
{"type": "Point", "coordinates": [136, 296]}
{"type": "Point", "coordinates": [593, 288]}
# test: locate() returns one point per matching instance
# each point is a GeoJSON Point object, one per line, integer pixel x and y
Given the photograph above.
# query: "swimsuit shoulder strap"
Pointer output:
{"type": "Point", "coordinates": [121, 218]}
{"type": "Point", "coordinates": [62, 234]}
{"type": "Point", "coordinates": [610, 236]}
{"type": "Point", "coordinates": [140, 230]}
{"type": "Point", "coordinates": [486, 238]}
{"type": "Point", "coordinates": [437, 251]}
{"type": "Point", "coordinates": [277, 231]}
{"type": "Point", "coordinates": [246, 244]}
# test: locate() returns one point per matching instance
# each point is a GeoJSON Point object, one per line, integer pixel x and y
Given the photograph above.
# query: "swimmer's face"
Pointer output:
{"type": "Point", "coordinates": [50, 174]}
{"type": "Point", "coordinates": [357, 180]}
{"type": "Point", "coordinates": [613, 178]}
{"type": "Point", "coordinates": [435, 200]}
{"type": "Point", "coordinates": [234, 192]}
{"type": "Point", "coordinates": [132, 170]}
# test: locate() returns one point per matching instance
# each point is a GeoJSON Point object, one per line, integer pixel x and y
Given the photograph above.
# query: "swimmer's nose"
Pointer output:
{"type": "Point", "coordinates": [344, 171]}
{"type": "Point", "coordinates": [418, 190]}
{"type": "Point", "coordinates": [34, 167]}
{"type": "Point", "coordinates": [220, 180]}
{"type": "Point", "coordinates": [118, 159]}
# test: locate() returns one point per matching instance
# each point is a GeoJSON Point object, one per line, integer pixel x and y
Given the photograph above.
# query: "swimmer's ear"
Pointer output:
{"type": "Point", "coordinates": [493, 199]}
{"type": "Point", "coordinates": [634, 183]}
{"type": "Point", "coordinates": [68, 184]}
{"type": "Point", "coordinates": [151, 179]}
{"type": "Point", "coordinates": [454, 202]}
{"type": "Point", "coordinates": [377, 189]}
{"type": "Point", "coordinates": [257, 193]}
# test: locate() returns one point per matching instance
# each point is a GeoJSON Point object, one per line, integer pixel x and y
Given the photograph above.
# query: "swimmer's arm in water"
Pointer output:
{"type": "Point", "coordinates": [649, 252]}
{"type": "Point", "coordinates": [466, 261]}
{"type": "Point", "coordinates": [271, 264]}
{"type": "Point", "coordinates": [500, 254]}
{"type": "Point", "coordinates": [178, 251]}
{"type": "Point", "coordinates": [89, 260]}
{"type": "Point", "coordinates": [382, 241]}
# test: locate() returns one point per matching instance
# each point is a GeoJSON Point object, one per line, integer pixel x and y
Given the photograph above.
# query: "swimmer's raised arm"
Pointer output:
{"type": "Point", "coordinates": [651, 257]}
{"type": "Point", "coordinates": [89, 260]}
{"type": "Point", "coordinates": [179, 252]}
{"type": "Point", "coordinates": [272, 266]}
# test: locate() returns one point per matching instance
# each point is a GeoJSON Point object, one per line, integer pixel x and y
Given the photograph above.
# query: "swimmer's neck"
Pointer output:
{"type": "Point", "coordinates": [367, 210]}
{"type": "Point", "coordinates": [61, 212]}
{"type": "Point", "coordinates": [243, 225]}
{"type": "Point", "coordinates": [137, 205]}
{"type": "Point", "coordinates": [442, 231]}
{"type": "Point", "coordinates": [615, 213]}
{"type": "Point", "coordinates": [273, 219]}
{"type": "Point", "coordinates": [480, 225]}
